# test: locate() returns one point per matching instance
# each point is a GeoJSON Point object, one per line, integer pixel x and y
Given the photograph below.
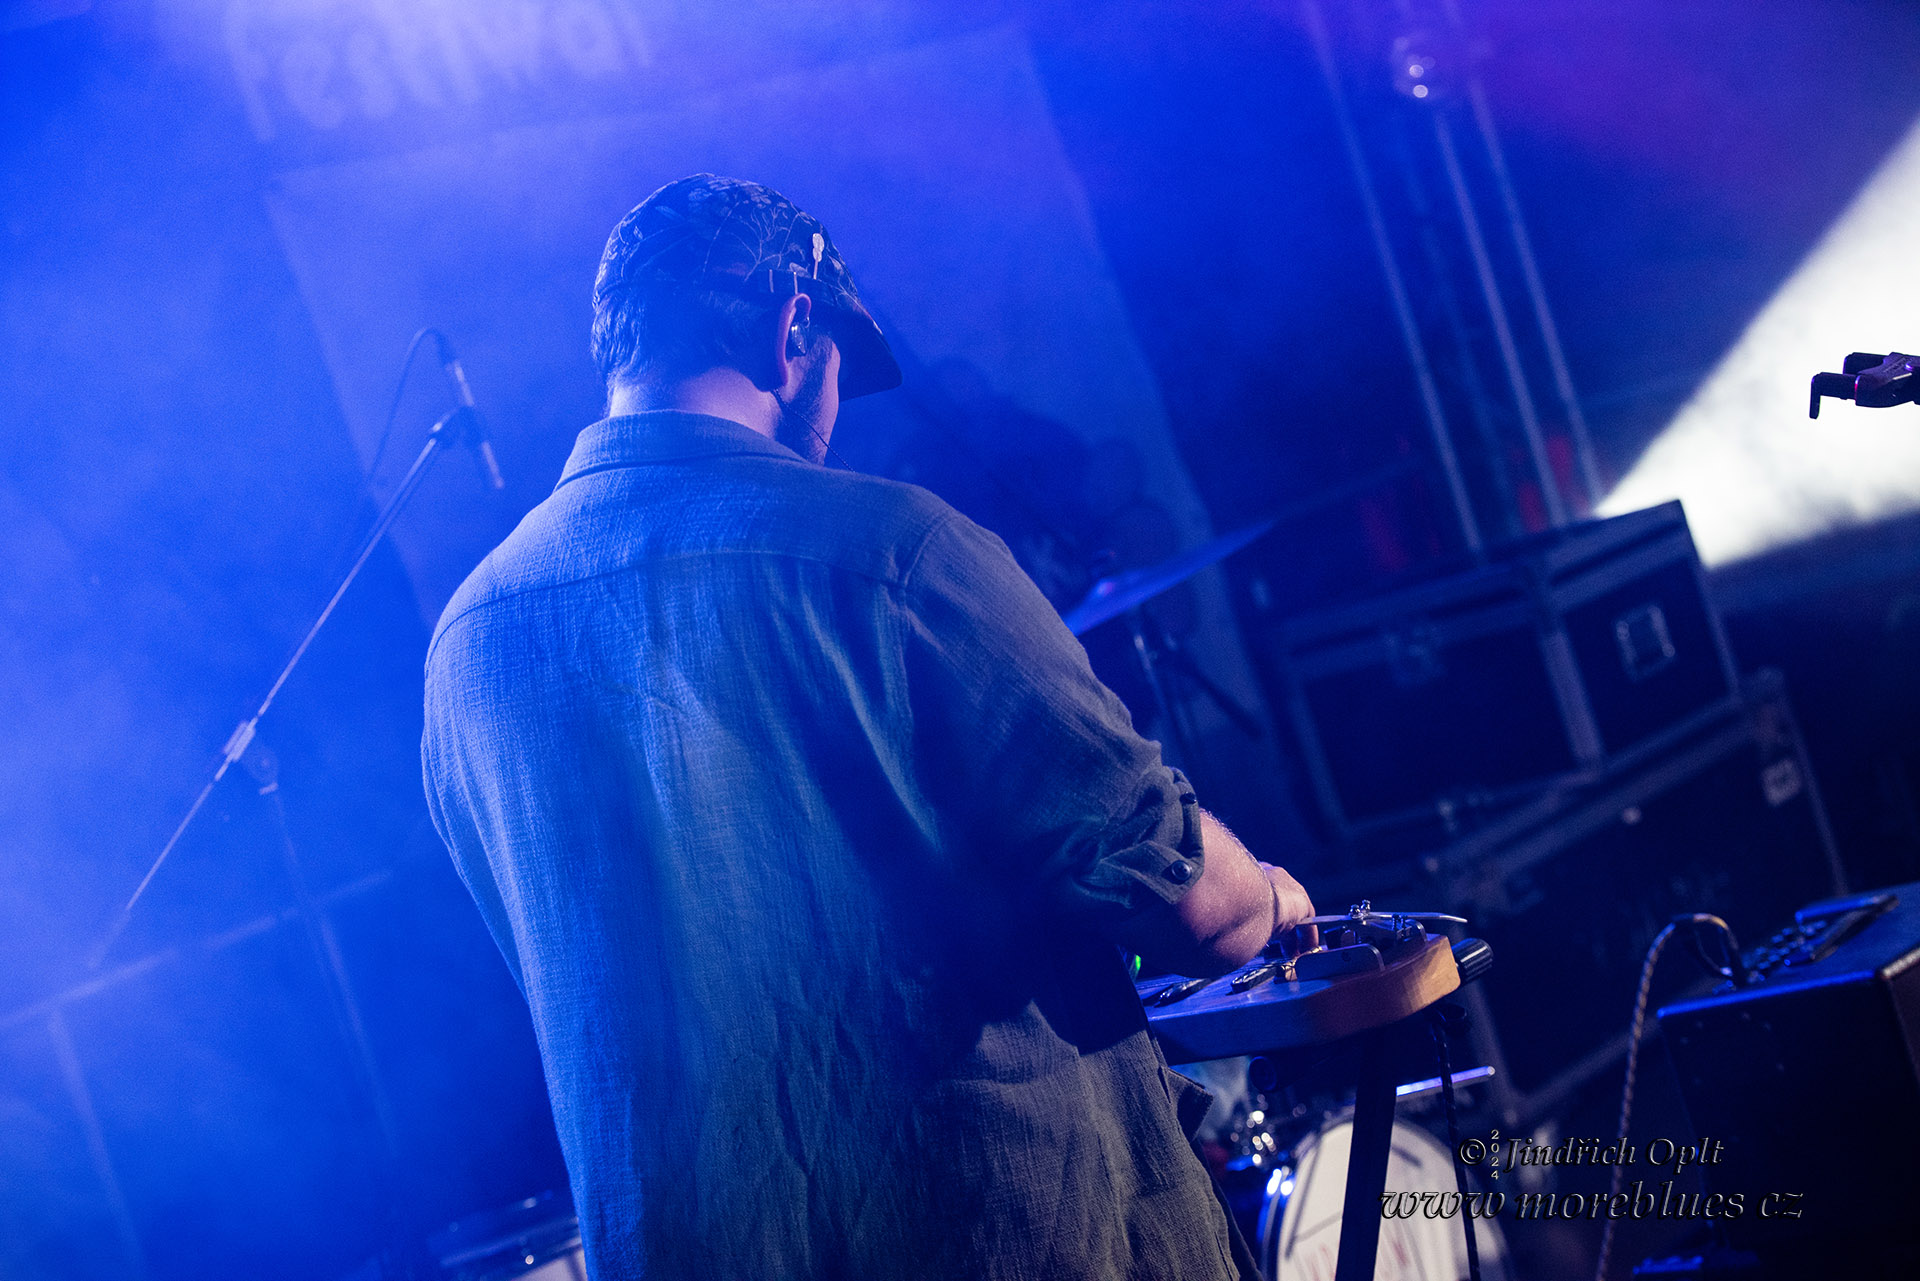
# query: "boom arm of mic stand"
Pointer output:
{"type": "Point", "coordinates": [438, 438]}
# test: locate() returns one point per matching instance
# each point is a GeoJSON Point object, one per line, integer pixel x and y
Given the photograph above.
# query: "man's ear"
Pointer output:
{"type": "Point", "coordinates": [789, 341]}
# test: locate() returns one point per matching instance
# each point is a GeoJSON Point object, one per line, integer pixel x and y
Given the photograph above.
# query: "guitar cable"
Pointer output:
{"type": "Point", "coordinates": [1634, 1034]}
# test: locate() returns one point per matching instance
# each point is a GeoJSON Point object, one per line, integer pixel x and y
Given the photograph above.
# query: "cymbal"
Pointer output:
{"type": "Point", "coordinates": [1118, 593]}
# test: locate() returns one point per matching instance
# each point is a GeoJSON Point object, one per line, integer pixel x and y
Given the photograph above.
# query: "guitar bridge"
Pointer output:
{"type": "Point", "coordinates": [1337, 962]}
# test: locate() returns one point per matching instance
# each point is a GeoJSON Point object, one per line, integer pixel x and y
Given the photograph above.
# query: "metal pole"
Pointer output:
{"type": "Point", "coordinates": [82, 1099]}
{"type": "Point", "coordinates": [1530, 272]}
{"type": "Point", "coordinates": [265, 768]}
{"type": "Point", "coordinates": [1537, 295]}
{"type": "Point", "coordinates": [1502, 328]}
{"type": "Point", "coordinates": [1177, 736]}
{"type": "Point", "coordinates": [397, 1204]}
{"type": "Point", "coordinates": [1396, 285]}
{"type": "Point", "coordinates": [1472, 383]}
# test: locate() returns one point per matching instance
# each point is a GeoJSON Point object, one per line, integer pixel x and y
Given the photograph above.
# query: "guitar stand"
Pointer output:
{"type": "Point", "coordinates": [1328, 1006]}
{"type": "Point", "coordinates": [1380, 1059]}
{"type": "Point", "coordinates": [1373, 1106]}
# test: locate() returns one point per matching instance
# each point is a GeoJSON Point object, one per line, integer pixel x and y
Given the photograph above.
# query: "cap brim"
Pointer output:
{"type": "Point", "coordinates": [867, 363]}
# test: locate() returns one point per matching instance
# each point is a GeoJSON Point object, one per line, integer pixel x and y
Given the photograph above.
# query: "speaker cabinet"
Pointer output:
{"type": "Point", "coordinates": [1809, 1080]}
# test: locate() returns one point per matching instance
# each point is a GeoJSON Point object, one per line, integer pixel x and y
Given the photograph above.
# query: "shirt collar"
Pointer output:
{"type": "Point", "coordinates": [661, 436]}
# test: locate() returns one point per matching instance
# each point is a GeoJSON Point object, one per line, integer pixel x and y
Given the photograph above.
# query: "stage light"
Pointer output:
{"type": "Point", "coordinates": [1742, 455]}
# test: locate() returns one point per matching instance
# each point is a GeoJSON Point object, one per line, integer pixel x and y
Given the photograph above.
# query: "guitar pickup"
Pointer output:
{"type": "Point", "coordinates": [1177, 992]}
{"type": "Point", "coordinates": [1283, 970]}
{"type": "Point", "coordinates": [1334, 962]}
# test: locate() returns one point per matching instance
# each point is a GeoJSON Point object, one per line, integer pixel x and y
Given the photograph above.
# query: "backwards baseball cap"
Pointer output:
{"type": "Point", "coordinates": [718, 233]}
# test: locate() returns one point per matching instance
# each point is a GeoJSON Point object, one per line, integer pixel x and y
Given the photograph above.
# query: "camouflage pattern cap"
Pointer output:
{"type": "Point", "coordinates": [723, 233]}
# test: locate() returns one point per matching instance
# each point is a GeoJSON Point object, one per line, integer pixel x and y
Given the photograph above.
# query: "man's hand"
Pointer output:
{"type": "Point", "coordinates": [1292, 906]}
{"type": "Point", "coordinates": [1228, 915]}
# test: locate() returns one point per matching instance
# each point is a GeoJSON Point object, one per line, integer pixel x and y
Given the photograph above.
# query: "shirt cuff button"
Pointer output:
{"type": "Point", "coordinates": [1179, 871]}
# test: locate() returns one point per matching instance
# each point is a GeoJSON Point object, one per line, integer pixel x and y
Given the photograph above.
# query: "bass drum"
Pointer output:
{"type": "Point", "coordinates": [1300, 1217]}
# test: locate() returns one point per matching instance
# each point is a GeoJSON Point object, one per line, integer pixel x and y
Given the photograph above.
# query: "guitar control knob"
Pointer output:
{"type": "Point", "coordinates": [1473, 958]}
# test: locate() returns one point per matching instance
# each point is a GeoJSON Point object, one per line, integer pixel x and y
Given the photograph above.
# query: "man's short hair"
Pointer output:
{"type": "Point", "coordinates": [665, 334]}
{"type": "Point", "coordinates": [691, 272]}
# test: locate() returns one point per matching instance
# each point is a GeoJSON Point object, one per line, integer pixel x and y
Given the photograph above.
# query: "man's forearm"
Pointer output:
{"type": "Point", "coordinates": [1228, 915]}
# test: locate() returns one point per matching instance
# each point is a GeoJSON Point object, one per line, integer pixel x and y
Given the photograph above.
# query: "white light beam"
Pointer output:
{"type": "Point", "coordinates": [1753, 471]}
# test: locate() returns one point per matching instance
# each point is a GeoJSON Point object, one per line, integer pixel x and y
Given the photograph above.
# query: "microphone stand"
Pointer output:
{"type": "Point", "coordinates": [449, 429]}
{"type": "Point", "coordinates": [405, 1255]}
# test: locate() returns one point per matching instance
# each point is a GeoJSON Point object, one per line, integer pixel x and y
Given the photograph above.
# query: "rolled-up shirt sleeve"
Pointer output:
{"type": "Point", "coordinates": [1034, 763]}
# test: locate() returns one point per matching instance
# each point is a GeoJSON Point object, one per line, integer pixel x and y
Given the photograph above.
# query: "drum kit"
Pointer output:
{"type": "Point", "coordinates": [1295, 1165]}
{"type": "Point", "coordinates": [1284, 1170]}
{"type": "Point", "coordinates": [1285, 1177]}
{"type": "Point", "coordinates": [1283, 1167]}
{"type": "Point", "coordinates": [1121, 596]}
{"type": "Point", "coordinates": [1116, 594]}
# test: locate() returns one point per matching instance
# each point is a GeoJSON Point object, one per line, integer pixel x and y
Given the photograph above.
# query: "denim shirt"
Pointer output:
{"type": "Point", "coordinates": [802, 823]}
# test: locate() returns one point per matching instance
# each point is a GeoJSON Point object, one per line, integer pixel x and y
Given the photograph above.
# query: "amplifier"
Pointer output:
{"type": "Point", "coordinates": [1571, 892]}
{"type": "Point", "coordinates": [1569, 650]}
{"type": "Point", "coordinates": [1808, 1078]}
{"type": "Point", "coordinates": [1571, 887]}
